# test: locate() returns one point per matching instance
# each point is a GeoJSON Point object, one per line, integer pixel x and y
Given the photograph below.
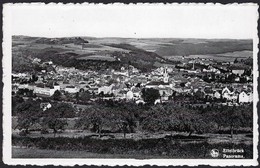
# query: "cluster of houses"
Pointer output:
{"type": "Point", "coordinates": [129, 82]}
{"type": "Point", "coordinates": [225, 71]}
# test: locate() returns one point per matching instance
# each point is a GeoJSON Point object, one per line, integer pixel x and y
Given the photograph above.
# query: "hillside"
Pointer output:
{"type": "Point", "coordinates": [208, 47]}
{"type": "Point", "coordinates": [83, 54]}
{"type": "Point", "coordinates": [102, 53]}
{"type": "Point", "coordinates": [75, 40]}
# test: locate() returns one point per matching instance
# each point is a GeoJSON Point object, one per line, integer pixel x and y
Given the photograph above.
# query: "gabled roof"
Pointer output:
{"type": "Point", "coordinates": [231, 89]}
{"type": "Point", "coordinates": [244, 92]}
{"type": "Point", "coordinates": [217, 91]}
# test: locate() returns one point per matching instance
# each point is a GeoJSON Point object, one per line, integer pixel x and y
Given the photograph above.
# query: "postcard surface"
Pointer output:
{"type": "Point", "coordinates": [136, 84]}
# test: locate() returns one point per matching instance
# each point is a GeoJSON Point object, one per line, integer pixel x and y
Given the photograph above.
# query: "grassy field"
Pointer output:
{"type": "Point", "coordinates": [176, 146]}
{"type": "Point", "coordinates": [208, 47]}
{"type": "Point", "coordinates": [21, 152]}
{"type": "Point", "coordinates": [226, 56]}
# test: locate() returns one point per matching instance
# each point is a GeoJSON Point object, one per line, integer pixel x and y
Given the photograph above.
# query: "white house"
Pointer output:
{"type": "Point", "coordinates": [165, 93]}
{"type": "Point", "coordinates": [238, 71]}
{"type": "Point", "coordinates": [237, 79]}
{"type": "Point", "coordinates": [229, 94]}
{"type": "Point", "coordinates": [243, 97]}
{"type": "Point", "coordinates": [47, 91]}
{"type": "Point", "coordinates": [139, 101]}
{"type": "Point", "coordinates": [136, 92]}
{"type": "Point", "coordinates": [71, 89]}
{"type": "Point", "coordinates": [160, 84]}
{"type": "Point", "coordinates": [226, 93]}
{"type": "Point", "coordinates": [217, 95]}
{"type": "Point", "coordinates": [56, 87]}
{"type": "Point", "coordinates": [23, 86]}
{"type": "Point", "coordinates": [45, 106]}
{"type": "Point", "coordinates": [105, 89]}
{"type": "Point", "coordinates": [129, 95]}
{"type": "Point", "coordinates": [43, 90]}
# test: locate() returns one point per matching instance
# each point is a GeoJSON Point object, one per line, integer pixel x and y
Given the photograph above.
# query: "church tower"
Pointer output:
{"type": "Point", "coordinates": [165, 76]}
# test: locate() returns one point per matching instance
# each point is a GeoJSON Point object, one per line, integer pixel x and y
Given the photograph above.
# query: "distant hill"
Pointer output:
{"type": "Point", "coordinates": [137, 57]}
{"type": "Point", "coordinates": [206, 47]}
{"type": "Point", "coordinates": [102, 53]}
{"type": "Point", "coordinates": [51, 41]}
{"type": "Point", "coordinates": [81, 53]}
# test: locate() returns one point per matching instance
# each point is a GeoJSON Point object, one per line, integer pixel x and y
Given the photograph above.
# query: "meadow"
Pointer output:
{"type": "Point", "coordinates": [87, 147]}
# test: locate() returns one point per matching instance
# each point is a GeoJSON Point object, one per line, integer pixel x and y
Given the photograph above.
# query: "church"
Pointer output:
{"type": "Point", "coordinates": [164, 87]}
{"type": "Point", "coordinates": [162, 83]}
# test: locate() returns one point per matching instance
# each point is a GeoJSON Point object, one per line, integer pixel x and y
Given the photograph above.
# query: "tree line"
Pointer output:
{"type": "Point", "coordinates": [108, 116]}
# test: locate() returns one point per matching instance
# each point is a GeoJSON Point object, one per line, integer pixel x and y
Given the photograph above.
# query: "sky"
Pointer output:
{"type": "Point", "coordinates": [135, 21]}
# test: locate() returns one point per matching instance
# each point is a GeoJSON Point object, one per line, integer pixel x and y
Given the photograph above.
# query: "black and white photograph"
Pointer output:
{"type": "Point", "coordinates": [136, 84]}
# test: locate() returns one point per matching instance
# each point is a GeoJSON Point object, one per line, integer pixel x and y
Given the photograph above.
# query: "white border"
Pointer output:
{"type": "Point", "coordinates": [7, 55]}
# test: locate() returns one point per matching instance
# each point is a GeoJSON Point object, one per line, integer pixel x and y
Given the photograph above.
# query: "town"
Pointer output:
{"type": "Point", "coordinates": [195, 99]}
{"type": "Point", "coordinates": [194, 81]}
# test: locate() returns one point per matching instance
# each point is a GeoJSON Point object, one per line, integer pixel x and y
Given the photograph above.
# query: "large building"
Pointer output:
{"type": "Point", "coordinates": [71, 89]}
{"type": "Point", "coordinates": [47, 91]}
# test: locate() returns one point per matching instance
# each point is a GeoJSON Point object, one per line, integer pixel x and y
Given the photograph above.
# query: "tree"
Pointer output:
{"type": "Point", "coordinates": [25, 92]}
{"type": "Point", "coordinates": [16, 100]}
{"type": "Point", "coordinates": [236, 60]}
{"type": "Point", "coordinates": [77, 96]}
{"type": "Point", "coordinates": [94, 118]}
{"type": "Point", "coordinates": [28, 114]}
{"type": "Point", "coordinates": [84, 96]}
{"type": "Point", "coordinates": [124, 116]}
{"type": "Point", "coordinates": [199, 95]}
{"type": "Point", "coordinates": [182, 84]}
{"type": "Point", "coordinates": [53, 122]}
{"type": "Point", "coordinates": [63, 110]}
{"type": "Point", "coordinates": [34, 78]}
{"type": "Point", "coordinates": [101, 94]}
{"type": "Point", "coordinates": [234, 117]}
{"type": "Point", "coordinates": [172, 118]}
{"type": "Point", "coordinates": [57, 95]}
{"type": "Point", "coordinates": [55, 118]}
{"type": "Point", "coordinates": [155, 119]}
{"type": "Point", "coordinates": [150, 95]}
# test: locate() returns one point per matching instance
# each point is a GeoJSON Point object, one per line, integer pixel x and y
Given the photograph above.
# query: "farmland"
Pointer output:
{"type": "Point", "coordinates": [137, 52]}
{"type": "Point", "coordinates": [229, 56]}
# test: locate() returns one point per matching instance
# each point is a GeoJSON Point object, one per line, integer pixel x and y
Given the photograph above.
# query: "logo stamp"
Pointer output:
{"type": "Point", "coordinates": [214, 153]}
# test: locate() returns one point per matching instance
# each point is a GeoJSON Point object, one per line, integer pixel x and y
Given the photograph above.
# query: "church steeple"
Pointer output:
{"type": "Point", "coordinates": [165, 75]}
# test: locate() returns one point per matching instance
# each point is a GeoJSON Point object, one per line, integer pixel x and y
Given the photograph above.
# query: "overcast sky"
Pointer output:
{"type": "Point", "coordinates": [172, 21]}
